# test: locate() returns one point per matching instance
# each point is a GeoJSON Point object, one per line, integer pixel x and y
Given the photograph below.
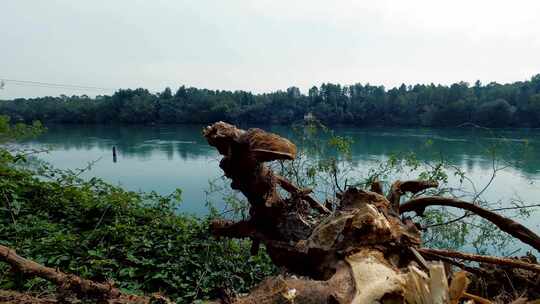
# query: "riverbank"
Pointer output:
{"type": "Point", "coordinates": [103, 232]}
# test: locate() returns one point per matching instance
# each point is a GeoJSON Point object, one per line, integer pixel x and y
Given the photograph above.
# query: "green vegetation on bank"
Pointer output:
{"type": "Point", "coordinates": [103, 232]}
{"type": "Point", "coordinates": [492, 105]}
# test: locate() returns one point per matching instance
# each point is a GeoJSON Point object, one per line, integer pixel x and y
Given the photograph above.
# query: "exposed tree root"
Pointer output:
{"type": "Point", "coordinates": [363, 242]}
{"type": "Point", "coordinates": [302, 290]}
{"type": "Point", "coordinates": [376, 187]}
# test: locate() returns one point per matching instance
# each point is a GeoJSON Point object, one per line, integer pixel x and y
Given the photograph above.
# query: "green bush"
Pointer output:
{"type": "Point", "coordinates": [103, 232]}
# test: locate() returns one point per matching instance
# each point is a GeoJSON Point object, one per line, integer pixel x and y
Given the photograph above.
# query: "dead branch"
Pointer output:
{"type": "Point", "coordinates": [415, 186]}
{"type": "Point", "coordinates": [303, 194]}
{"type": "Point", "coordinates": [376, 187]}
{"type": "Point", "coordinates": [226, 228]}
{"type": "Point", "coordinates": [7, 296]}
{"type": "Point", "coordinates": [507, 225]}
{"type": "Point", "coordinates": [468, 214]}
{"type": "Point", "coordinates": [70, 282]}
{"type": "Point", "coordinates": [399, 188]}
{"type": "Point", "coordinates": [436, 257]}
{"type": "Point", "coordinates": [66, 281]}
{"type": "Point", "coordinates": [481, 258]}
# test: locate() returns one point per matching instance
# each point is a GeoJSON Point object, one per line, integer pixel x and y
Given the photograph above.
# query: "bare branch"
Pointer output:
{"type": "Point", "coordinates": [481, 258]}
{"type": "Point", "coordinates": [226, 228]}
{"type": "Point", "coordinates": [505, 224]}
{"type": "Point", "coordinates": [468, 214]}
{"type": "Point", "coordinates": [376, 187]}
{"type": "Point", "coordinates": [436, 257]}
{"type": "Point", "coordinates": [399, 188]}
{"type": "Point", "coordinates": [302, 193]}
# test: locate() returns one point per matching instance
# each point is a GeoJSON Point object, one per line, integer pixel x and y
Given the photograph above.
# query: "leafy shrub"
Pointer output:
{"type": "Point", "coordinates": [103, 232]}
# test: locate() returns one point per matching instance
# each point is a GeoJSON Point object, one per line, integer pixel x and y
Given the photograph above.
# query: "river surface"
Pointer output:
{"type": "Point", "coordinates": [163, 158]}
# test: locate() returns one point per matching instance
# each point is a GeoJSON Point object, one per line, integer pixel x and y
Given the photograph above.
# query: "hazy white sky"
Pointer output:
{"type": "Point", "coordinates": [263, 45]}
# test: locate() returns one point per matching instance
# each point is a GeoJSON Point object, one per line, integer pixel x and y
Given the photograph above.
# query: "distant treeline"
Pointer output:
{"type": "Point", "coordinates": [492, 105]}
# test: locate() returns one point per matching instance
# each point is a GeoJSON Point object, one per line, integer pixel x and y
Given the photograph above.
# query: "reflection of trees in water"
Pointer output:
{"type": "Point", "coordinates": [141, 142]}
{"type": "Point", "coordinates": [466, 148]}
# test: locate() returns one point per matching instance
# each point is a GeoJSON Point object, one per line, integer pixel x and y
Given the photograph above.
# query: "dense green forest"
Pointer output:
{"type": "Point", "coordinates": [492, 105]}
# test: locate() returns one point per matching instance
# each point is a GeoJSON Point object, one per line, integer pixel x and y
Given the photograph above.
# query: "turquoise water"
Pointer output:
{"type": "Point", "coordinates": [163, 158]}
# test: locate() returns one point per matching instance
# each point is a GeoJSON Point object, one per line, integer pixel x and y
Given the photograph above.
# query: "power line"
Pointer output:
{"type": "Point", "coordinates": [50, 85]}
{"type": "Point", "coordinates": [28, 82]}
{"type": "Point", "coordinates": [56, 87]}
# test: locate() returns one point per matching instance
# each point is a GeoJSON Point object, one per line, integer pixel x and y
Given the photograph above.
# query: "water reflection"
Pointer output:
{"type": "Point", "coordinates": [463, 147]}
{"type": "Point", "coordinates": [163, 158]}
{"type": "Point", "coordinates": [139, 142]}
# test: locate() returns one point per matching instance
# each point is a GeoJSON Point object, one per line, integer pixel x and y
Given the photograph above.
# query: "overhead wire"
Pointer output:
{"type": "Point", "coordinates": [50, 85]}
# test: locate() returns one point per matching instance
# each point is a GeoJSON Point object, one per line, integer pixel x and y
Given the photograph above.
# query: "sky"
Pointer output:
{"type": "Point", "coordinates": [262, 45]}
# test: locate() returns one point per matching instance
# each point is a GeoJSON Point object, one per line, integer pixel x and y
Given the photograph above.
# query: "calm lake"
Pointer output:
{"type": "Point", "coordinates": [163, 158]}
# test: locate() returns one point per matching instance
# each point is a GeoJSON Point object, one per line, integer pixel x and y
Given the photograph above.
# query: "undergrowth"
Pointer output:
{"type": "Point", "coordinates": [103, 232]}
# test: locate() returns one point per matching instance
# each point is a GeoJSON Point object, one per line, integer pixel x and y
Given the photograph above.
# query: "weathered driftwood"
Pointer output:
{"type": "Point", "coordinates": [361, 252]}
